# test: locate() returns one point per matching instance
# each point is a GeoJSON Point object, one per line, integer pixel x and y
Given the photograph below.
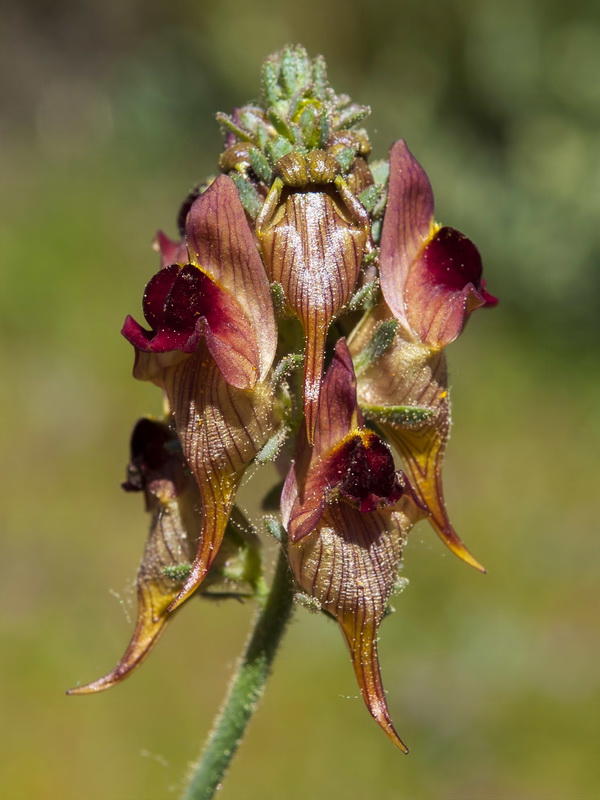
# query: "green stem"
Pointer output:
{"type": "Point", "coordinates": [246, 688]}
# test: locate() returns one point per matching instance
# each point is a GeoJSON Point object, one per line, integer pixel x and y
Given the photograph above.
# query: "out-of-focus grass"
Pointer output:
{"type": "Point", "coordinates": [492, 680]}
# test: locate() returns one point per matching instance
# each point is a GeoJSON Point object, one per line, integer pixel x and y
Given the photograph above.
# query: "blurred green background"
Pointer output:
{"type": "Point", "coordinates": [107, 118]}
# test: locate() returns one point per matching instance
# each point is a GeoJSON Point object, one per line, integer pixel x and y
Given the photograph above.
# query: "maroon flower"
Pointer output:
{"type": "Point", "coordinates": [211, 346]}
{"type": "Point", "coordinates": [347, 512]}
{"type": "Point", "coordinates": [430, 276]}
{"type": "Point", "coordinates": [222, 294]}
{"type": "Point", "coordinates": [313, 234]}
{"type": "Point", "coordinates": [158, 470]}
{"type": "Point", "coordinates": [405, 392]}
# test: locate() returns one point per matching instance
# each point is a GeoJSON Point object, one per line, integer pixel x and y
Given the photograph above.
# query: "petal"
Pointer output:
{"type": "Point", "coordinates": [314, 249]}
{"type": "Point", "coordinates": [142, 339]}
{"type": "Point", "coordinates": [181, 304]}
{"type": "Point", "coordinates": [171, 252]}
{"type": "Point", "coordinates": [349, 564]}
{"type": "Point", "coordinates": [369, 479]}
{"type": "Point", "coordinates": [346, 460]}
{"type": "Point", "coordinates": [408, 374]}
{"type": "Point", "coordinates": [360, 470]}
{"type": "Point", "coordinates": [444, 287]}
{"type": "Point", "coordinates": [156, 293]}
{"type": "Point", "coordinates": [338, 416]}
{"type": "Point", "coordinates": [228, 331]}
{"type": "Point", "coordinates": [430, 277]}
{"type": "Point", "coordinates": [158, 469]}
{"type": "Point", "coordinates": [221, 428]}
{"type": "Point", "coordinates": [221, 242]}
{"type": "Point", "coordinates": [407, 226]}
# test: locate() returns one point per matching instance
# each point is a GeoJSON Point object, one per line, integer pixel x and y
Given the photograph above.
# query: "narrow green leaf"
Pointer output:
{"type": "Point", "coordinates": [363, 295]}
{"type": "Point", "coordinates": [398, 415]}
{"type": "Point", "coordinates": [273, 446]}
{"type": "Point", "coordinates": [376, 347]}
{"type": "Point", "coordinates": [275, 529]}
{"type": "Point", "coordinates": [177, 572]}
{"type": "Point", "coordinates": [260, 165]}
{"type": "Point", "coordinates": [249, 197]}
{"type": "Point", "coordinates": [287, 365]}
{"type": "Point", "coordinates": [227, 124]}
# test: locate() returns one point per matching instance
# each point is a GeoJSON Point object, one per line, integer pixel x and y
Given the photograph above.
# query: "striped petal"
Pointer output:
{"type": "Point", "coordinates": [431, 277]}
{"type": "Point", "coordinates": [158, 469]}
{"type": "Point", "coordinates": [221, 428]}
{"type": "Point", "coordinates": [412, 376]}
{"type": "Point", "coordinates": [223, 295]}
{"type": "Point", "coordinates": [222, 244]}
{"type": "Point", "coordinates": [314, 249]}
{"type": "Point", "coordinates": [349, 564]}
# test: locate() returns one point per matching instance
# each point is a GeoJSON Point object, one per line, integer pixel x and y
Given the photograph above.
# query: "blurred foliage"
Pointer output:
{"type": "Point", "coordinates": [107, 118]}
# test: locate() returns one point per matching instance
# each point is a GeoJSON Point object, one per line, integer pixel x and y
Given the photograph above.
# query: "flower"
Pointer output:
{"type": "Point", "coordinates": [430, 276]}
{"type": "Point", "coordinates": [158, 469]}
{"type": "Point", "coordinates": [347, 513]}
{"type": "Point", "coordinates": [221, 295]}
{"type": "Point", "coordinates": [431, 282]}
{"type": "Point", "coordinates": [211, 345]}
{"type": "Point", "coordinates": [313, 234]}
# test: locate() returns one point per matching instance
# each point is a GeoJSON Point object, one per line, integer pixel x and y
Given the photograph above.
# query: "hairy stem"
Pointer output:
{"type": "Point", "coordinates": [246, 688]}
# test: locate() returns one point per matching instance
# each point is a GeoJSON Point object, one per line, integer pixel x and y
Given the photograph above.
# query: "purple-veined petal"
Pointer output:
{"type": "Point", "coordinates": [360, 469]}
{"type": "Point", "coordinates": [158, 469]}
{"type": "Point", "coordinates": [407, 226]}
{"type": "Point", "coordinates": [221, 428]}
{"type": "Point", "coordinates": [346, 461]}
{"type": "Point", "coordinates": [314, 249]}
{"type": "Point", "coordinates": [349, 564]}
{"type": "Point", "coordinates": [222, 244]}
{"type": "Point", "coordinates": [409, 375]}
{"type": "Point", "coordinates": [444, 287]}
{"type": "Point", "coordinates": [339, 415]}
{"type": "Point", "coordinates": [181, 304]}
{"type": "Point", "coordinates": [430, 276]}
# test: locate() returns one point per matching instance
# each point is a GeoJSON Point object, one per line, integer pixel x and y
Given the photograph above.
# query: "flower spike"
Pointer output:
{"type": "Point", "coordinates": [300, 239]}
